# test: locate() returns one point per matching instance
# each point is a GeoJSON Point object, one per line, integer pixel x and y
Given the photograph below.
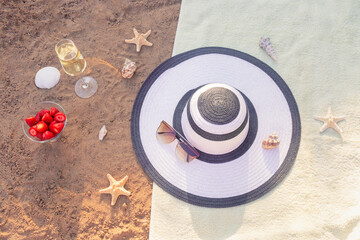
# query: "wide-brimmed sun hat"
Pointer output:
{"type": "Point", "coordinates": [225, 103]}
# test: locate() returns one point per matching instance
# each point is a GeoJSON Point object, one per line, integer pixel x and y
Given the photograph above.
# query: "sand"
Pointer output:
{"type": "Point", "coordinates": [50, 191]}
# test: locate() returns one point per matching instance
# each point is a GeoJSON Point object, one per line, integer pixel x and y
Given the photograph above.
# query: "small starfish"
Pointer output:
{"type": "Point", "coordinates": [330, 121]}
{"type": "Point", "coordinates": [116, 188]}
{"type": "Point", "coordinates": [139, 39]}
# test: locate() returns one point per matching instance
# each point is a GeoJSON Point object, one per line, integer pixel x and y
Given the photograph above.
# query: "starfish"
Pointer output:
{"type": "Point", "coordinates": [330, 121]}
{"type": "Point", "coordinates": [139, 39]}
{"type": "Point", "coordinates": [116, 188]}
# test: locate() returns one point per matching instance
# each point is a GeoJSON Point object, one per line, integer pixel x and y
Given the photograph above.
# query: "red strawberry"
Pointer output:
{"type": "Point", "coordinates": [41, 127]}
{"type": "Point", "coordinates": [51, 124]}
{"type": "Point", "coordinates": [56, 127]}
{"type": "Point", "coordinates": [42, 112]}
{"type": "Point", "coordinates": [32, 131]}
{"type": "Point", "coordinates": [30, 121]}
{"type": "Point", "coordinates": [38, 117]}
{"type": "Point", "coordinates": [60, 117]}
{"type": "Point", "coordinates": [47, 118]}
{"type": "Point", "coordinates": [47, 135]}
{"type": "Point", "coordinates": [53, 111]}
{"type": "Point", "coordinates": [39, 136]}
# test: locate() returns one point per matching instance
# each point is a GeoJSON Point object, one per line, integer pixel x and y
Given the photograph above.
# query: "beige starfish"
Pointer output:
{"type": "Point", "coordinates": [116, 188]}
{"type": "Point", "coordinates": [139, 39]}
{"type": "Point", "coordinates": [330, 121]}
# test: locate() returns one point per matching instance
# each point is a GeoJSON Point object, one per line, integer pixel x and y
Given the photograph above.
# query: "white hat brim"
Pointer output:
{"type": "Point", "coordinates": [227, 183]}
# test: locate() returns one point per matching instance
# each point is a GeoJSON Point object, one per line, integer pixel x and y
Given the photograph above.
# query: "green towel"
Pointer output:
{"type": "Point", "coordinates": [318, 48]}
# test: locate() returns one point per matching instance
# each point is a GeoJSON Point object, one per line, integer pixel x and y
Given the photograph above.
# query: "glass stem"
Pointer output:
{"type": "Point", "coordinates": [84, 85]}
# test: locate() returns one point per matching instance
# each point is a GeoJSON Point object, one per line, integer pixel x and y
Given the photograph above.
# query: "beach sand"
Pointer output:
{"type": "Point", "coordinates": [50, 191]}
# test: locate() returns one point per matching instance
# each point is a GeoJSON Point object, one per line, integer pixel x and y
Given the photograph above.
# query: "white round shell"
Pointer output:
{"type": "Point", "coordinates": [47, 77]}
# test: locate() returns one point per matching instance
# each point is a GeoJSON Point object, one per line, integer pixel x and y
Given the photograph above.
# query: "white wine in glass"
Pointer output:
{"type": "Point", "coordinates": [70, 57]}
{"type": "Point", "coordinates": [74, 64]}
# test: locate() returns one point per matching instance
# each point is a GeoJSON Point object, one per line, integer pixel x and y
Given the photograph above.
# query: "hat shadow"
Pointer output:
{"type": "Point", "coordinates": [218, 223]}
{"type": "Point", "coordinates": [271, 159]}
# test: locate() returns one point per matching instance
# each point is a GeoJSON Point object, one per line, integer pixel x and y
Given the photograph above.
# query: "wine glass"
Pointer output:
{"type": "Point", "coordinates": [74, 64]}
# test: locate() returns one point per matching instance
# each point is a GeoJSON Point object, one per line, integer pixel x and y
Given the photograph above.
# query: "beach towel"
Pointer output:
{"type": "Point", "coordinates": [318, 49]}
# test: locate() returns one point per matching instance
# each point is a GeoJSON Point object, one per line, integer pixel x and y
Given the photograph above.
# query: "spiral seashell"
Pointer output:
{"type": "Point", "coordinates": [267, 46]}
{"type": "Point", "coordinates": [271, 142]}
{"type": "Point", "coordinates": [129, 68]}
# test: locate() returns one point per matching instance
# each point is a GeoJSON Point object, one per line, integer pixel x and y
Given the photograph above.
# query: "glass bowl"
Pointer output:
{"type": "Point", "coordinates": [32, 111]}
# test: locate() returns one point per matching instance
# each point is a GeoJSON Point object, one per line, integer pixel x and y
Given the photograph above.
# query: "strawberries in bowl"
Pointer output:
{"type": "Point", "coordinates": [44, 122]}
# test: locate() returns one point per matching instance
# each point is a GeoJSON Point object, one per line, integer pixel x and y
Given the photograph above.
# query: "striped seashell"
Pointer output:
{"type": "Point", "coordinates": [129, 68]}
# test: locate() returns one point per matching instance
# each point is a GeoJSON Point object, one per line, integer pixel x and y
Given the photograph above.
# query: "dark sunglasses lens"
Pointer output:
{"type": "Point", "coordinates": [165, 134]}
{"type": "Point", "coordinates": [185, 152]}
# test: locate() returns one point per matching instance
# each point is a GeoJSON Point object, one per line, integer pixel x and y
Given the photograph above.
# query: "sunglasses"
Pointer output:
{"type": "Point", "coordinates": [167, 134]}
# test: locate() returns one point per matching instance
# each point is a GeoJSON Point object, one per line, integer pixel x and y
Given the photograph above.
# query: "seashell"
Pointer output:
{"type": "Point", "coordinates": [47, 77]}
{"type": "Point", "coordinates": [102, 133]}
{"type": "Point", "coordinates": [271, 142]}
{"type": "Point", "coordinates": [129, 68]}
{"type": "Point", "coordinates": [267, 46]}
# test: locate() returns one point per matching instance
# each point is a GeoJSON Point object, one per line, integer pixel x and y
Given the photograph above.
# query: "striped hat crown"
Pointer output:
{"type": "Point", "coordinates": [216, 119]}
